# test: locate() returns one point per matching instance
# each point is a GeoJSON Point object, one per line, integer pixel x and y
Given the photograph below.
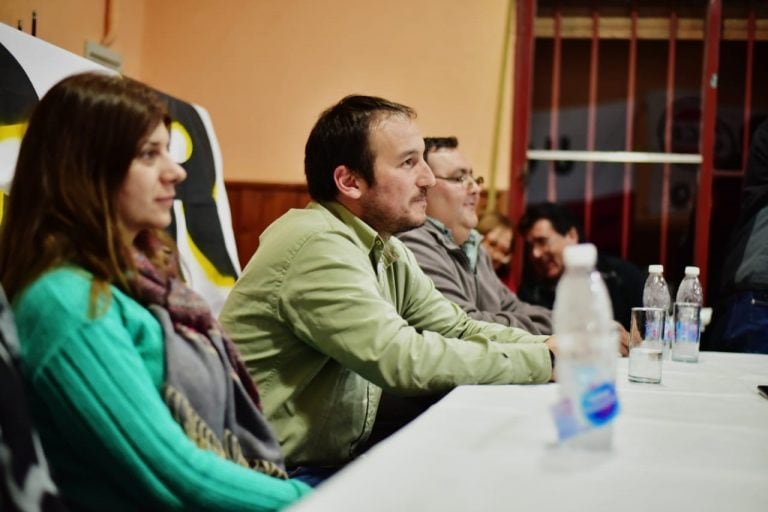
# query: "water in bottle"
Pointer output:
{"type": "Point", "coordinates": [656, 295]}
{"type": "Point", "coordinates": [688, 327]}
{"type": "Point", "coordinates": [690, 287]}
{"type": "Point", "coordinates": [588, 348]}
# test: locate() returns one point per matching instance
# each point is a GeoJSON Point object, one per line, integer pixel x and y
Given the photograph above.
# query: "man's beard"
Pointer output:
{"type": "Point", "coordinates": [385, 223]}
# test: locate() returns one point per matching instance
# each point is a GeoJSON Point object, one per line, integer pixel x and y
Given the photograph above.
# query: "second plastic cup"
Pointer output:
{"type": "Point", "coordinates": [687, 328]}
{"type": "Point", "coordinates": [646, 334]}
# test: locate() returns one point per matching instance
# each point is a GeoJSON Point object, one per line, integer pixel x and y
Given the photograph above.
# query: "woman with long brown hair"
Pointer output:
{"type": "Point", "coordinates": [141, 400]}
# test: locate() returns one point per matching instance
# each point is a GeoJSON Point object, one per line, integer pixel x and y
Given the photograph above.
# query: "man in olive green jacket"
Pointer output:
{"type": "Point", "coordinates": [333, 315]}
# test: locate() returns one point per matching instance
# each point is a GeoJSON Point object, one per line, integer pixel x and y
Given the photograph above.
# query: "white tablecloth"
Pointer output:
{"type": "Point", "coordinates": [697, 441]}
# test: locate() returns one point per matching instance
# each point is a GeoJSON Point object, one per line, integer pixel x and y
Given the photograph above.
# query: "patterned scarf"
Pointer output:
{"type": "Point", "coordinates": [208, 388]}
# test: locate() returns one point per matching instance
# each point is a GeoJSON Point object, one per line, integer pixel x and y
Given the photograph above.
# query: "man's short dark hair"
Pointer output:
{"type": "Point", "coordinates": [434, 143]}
{"type": "Point", "coordinates": [561, 217]}
{"type": "Point", "coordinates": [341, 137]}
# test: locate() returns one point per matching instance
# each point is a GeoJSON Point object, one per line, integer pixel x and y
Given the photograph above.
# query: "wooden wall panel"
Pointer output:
{"type": "Point", "coordinates": [255, 206]}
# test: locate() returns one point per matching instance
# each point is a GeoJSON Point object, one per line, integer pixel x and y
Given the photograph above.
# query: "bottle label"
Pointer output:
{"type": "Point", "coordinates": [687, 332]}
{"type": "Point", "coordinates": [595, 408]}
{"type": "Point", "coordinates": [600, 404]}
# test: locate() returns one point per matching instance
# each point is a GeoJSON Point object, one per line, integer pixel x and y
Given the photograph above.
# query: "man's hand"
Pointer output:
{"type": "Point", "coordinates": [551, 344]}
{"type": "Point", "coordinates": [623, 340]}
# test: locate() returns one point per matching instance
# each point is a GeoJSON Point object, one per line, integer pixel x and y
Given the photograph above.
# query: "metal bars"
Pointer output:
{"type": "Point", "coordinates": [668, 120]}
{"type": "Point", "coordinates": [748, 86]}
{"type": "Point", "coordinates": [526, 12]}
{"type": "Point", "coordinates": [555, 106]}
{"type": "Point", "coordinates": [707, 137]}
{"type": "Point", "coordinates": [629, 132]}
{"type": "Point", "coordinates": [594, 60]}
{"type": "Point", "coordinates": [638, 157]}
{"type": "Point", "coordinates": [632, 28]}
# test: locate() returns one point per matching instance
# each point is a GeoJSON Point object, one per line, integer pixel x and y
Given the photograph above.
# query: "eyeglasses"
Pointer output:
{"type": "Point", "coordinates": [464, 179]}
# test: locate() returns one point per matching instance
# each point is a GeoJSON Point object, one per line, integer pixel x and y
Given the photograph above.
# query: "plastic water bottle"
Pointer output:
{"type": "Point", "coordinates": [588, 349]}
{"type": "Point", "coordinates": [690, 287]}
{"type": "Point", "coordinates": [656, 292]}
{"type": "Point", "coordinates": [656, 295]}
{"type": "Point", "coordinates": [688, 292]}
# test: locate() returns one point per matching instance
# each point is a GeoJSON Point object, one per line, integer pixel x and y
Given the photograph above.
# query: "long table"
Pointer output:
{"type": "Point", "coordinates": [697, 441]}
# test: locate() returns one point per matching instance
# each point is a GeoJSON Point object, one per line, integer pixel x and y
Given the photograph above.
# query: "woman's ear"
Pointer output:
{"type": "Point", "coordinates": [347, 182]}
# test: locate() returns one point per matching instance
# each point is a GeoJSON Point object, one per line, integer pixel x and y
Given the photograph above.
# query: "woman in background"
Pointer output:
{"type": "Point", "coordinates": [140, 399]}
{"type": "Point", "coordinates": [497, 232]}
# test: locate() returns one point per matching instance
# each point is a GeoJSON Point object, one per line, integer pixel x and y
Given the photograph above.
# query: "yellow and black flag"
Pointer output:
{"type": "Point", "coordinates": [202, 223]}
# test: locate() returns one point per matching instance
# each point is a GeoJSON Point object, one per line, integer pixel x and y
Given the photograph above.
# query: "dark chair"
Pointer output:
{"type": "Point", "coordinates": [25, 482]}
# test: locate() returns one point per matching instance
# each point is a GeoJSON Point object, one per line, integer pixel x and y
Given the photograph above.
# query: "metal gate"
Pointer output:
{"type": "Point", "coordinates": [617, 115]}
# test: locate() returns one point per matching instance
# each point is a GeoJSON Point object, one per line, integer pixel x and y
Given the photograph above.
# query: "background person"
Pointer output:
{"type": "Point", "coordinates": [740, 322]}
{"type": "Point", "coordinates": [547, 229]}
{"type": "Point", "coordinates": [336, 321]}
{"type": "Point", "coordinates": [447, 247]}
{"type": "Point", "coordinates": [498, 233]}
{"type": "Point", "coordinates": [119, 354]}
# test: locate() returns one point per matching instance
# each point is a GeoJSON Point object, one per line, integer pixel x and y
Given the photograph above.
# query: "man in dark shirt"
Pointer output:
{"type": "Point", "coordinates": [740, 322]}
{"type": "Point", "coordinates": [548, 229]}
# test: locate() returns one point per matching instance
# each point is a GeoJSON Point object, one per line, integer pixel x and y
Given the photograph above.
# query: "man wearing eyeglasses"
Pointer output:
{"type": "Point", "coordinates": [345, 335]}
{"type": "Point", "coordinates": [448, 247]}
